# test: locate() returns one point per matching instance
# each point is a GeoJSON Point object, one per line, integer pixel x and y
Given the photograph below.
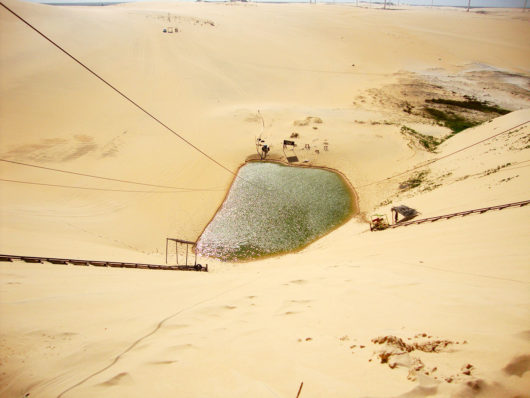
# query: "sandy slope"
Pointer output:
{"type": "Point", "coordinates": [259, 329]}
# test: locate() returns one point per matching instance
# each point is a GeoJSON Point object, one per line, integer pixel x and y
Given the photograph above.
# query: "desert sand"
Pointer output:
{"type": "Point", "coordinates": [436, 309]}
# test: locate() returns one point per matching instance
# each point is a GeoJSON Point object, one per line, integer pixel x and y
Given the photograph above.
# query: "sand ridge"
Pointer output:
{"type": "Point", "coordinates": [342, 82]}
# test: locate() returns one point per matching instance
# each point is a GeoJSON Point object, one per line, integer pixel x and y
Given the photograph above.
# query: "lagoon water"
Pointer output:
{"type": "Point", "coordinates": [273, 209]}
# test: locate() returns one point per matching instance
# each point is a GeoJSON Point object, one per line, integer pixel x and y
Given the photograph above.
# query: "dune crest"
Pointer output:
{"type": "Point", "coordinates": [423, 107]}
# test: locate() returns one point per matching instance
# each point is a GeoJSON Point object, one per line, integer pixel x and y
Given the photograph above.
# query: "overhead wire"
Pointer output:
{"type": "Point", "coordinates": [99, 189]}
{"type": "Point", "coordinates": [184, 139]}
{"type": "Point", "coordinates": [428, 163]}
{"type": "Point", "coordinates": [103, 178]}
{"type": "Point", "coordinates": [87, 68]}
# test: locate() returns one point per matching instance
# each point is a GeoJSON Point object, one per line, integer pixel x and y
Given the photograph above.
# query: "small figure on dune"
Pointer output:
{"type": "Point", "coordinates": [262, 148]}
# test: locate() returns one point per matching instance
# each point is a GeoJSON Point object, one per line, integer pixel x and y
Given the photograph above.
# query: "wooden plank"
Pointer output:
{"type": "Point", "coordinates": [66, 261]}
{"type": "Point", "coordinates": [62, 261]}
{"type": "Point", "coordinates": [78, 262]}
{"type": "Point", "coordinates": [182, 241]}
{"type": "Point", "coordinates": [32, 259]}
{"type": "Point", "coordinates": [463, 213]}
{"type": "Point", "coordinates": [99, 263]}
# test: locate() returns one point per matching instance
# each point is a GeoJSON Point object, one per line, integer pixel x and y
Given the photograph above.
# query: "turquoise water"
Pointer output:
{"type": "Point", "coordinates": [273, 209]}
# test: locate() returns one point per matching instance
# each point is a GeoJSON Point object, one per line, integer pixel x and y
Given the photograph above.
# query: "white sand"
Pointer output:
{"type": "Point", "coordinates": [261, 328]}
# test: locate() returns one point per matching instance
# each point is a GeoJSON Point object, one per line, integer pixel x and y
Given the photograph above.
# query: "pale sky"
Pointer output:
{"type": "Point", "coordinates": [463, 3]}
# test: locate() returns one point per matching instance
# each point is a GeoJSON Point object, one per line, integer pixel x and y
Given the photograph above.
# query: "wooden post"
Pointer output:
{"type": "Point", "coordinates": [468, 4]}
{"type": "Point", "coordinates": [167, 241]}
{"type": "Point", "coordinates": [187, 250]}
{"type": "Point", "coordinates": [300, 390]}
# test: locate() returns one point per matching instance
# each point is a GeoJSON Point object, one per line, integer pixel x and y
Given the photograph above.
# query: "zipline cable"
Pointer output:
{"type": "Point", "coordinates": [428, 163]}
{"type": "Point", "coordinates": [191, 144]}
{"type": "Point", "coordinates": [103, 178]}
{"type": "Point", "coordinates": [119, 92]}
{"type": "Point", "coordinates": [514, 167]}
{"type": "Point", "coordinates": [100, 189]}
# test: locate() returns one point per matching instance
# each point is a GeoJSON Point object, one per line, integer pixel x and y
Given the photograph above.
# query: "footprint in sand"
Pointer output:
{"type": "Point", "coordinates": [518, 366]}
{"type": "Point", "coordinates": [299, 282]}
{"type": "Point", "coordinates": [217, 311]}
{"type": "Point", "coordinates": [300, 301]}
{"type": "Point", "coordinates": [120, 378]}
{"type": "Point", "coordinates": [293, 306]}
{"type": "Point", "coordinates": [180, 347]}
{"type": "Point", "coordinates": [162, 362]}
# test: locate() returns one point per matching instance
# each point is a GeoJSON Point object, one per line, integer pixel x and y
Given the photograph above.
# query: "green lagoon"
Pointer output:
{"type": "Point", "coordinates": [274, 209]}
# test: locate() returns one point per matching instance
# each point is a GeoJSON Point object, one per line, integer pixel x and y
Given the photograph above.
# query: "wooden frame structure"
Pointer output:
{"type": "Point", "coordinates": [195, 266]}
{"type": "Point", "coordinates": [117, 264]}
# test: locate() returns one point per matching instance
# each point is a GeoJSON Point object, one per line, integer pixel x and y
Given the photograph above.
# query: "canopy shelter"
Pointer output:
{"type": "Point", "coordinates": [407, 212]}
{"type": "Point", "coordinates": [290, 155]}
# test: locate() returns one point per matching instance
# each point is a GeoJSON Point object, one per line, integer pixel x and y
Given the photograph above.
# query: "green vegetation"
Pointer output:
{"type": "Point", "coordinates": [414, 181]}
{"type": "Point", "coordinates": [470, 103]}
{"type": "Point", "coordinates": [407, 108]}
{"type": "Point", "coordinates": [385, 122]}
{"type": "Point", "coordinates": [308, 120]}
{"type": "Point", "coordinates": [427, 141]}
{"type": "Point", "coordinates": [450, 120]}
{"type": "Point", "coordinates": [453, 118]}
{"type": "Point", "coordinates": [385, 202]}
{"type": "Point", "coordinates": [491, 171]}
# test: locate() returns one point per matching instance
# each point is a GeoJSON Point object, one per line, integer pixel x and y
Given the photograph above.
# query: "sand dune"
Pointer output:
{"type": "Point", "coordinates": [437, 309]}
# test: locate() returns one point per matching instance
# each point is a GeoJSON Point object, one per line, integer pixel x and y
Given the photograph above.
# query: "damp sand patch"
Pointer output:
{"type": "Point", "coordinates": [273, 209]}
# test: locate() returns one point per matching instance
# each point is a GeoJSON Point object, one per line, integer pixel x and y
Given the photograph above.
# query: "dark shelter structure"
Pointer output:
{"type": "Point", "coordinates": [407, 213]}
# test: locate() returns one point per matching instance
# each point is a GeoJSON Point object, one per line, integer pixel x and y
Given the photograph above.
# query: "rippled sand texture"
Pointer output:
{"type": "Point", "coordinates": [273, 208]}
